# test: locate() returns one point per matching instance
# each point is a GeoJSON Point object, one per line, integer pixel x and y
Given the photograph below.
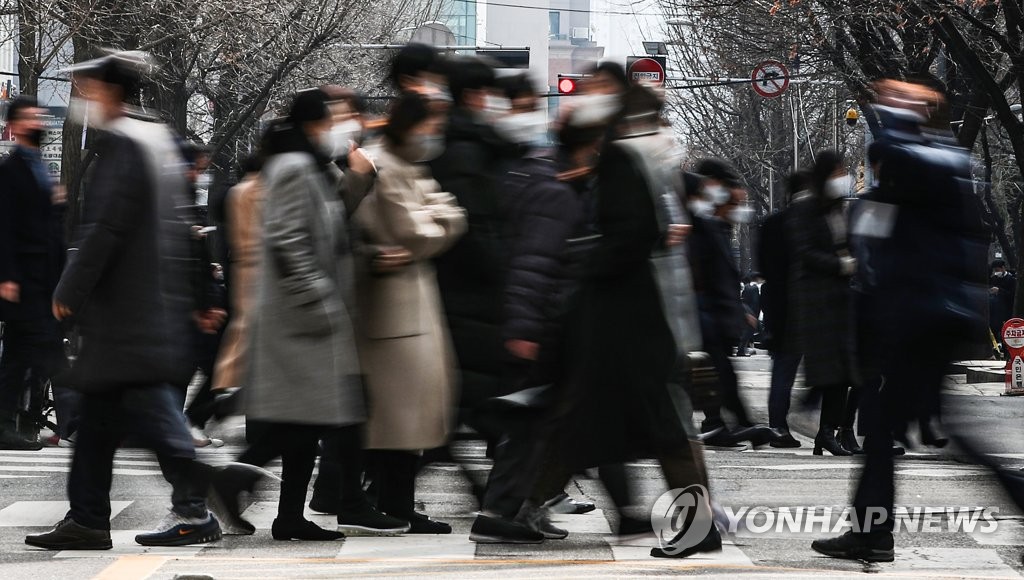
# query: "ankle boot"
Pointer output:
{"type": "Point", "coordinates": [848, 440]}
{"type": "Point", "coordinates": [826, 439]}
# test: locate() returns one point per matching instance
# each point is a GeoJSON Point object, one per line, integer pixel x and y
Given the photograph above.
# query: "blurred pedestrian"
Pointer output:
{"type": "Point", "coordinates": [822, 301]}
{"type": "Point", "coordinates": [126, 289]}
{"type": "Point", "coordinates": [718, 203]}
{"type": "Point", "coordinates": [31, 259]}
{"type": "Point", "coordinates": [305, 374]}
{"type": "Point", "coordinates": [404, 346]}
{"type": "Point", "coordinates": [776, 259]}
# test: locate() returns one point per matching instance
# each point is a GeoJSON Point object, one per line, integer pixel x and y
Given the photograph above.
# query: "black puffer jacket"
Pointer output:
{"type": "Point", "coordinates": [471, 275]}
{"type": "Point", "coordinates": [547, 230]}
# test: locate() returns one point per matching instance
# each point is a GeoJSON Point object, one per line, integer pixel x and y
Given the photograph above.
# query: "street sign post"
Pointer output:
{"type": "Point", "coordinates": [770, 79]}
{"type": "Point", "coordinates": [1013, 338]}
{"type": "Point", "coordinates": [648, 70]}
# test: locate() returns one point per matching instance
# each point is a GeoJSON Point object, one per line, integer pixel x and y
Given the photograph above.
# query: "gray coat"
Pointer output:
{"type": "Point", "coordinates": [305, 367]}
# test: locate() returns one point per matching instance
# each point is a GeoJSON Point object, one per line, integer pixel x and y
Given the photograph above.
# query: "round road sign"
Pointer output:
{"type": "Point", "coordinates": [647, 71]}
{"type": "Point", "coordinates": [770, 79]}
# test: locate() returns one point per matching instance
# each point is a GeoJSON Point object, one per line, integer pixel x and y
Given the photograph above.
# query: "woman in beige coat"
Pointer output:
{"type": "Point", "coordinates": [404, 348]}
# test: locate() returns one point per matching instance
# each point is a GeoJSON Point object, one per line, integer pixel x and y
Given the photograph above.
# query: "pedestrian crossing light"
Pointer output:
{"type": "Point", "coordinates": [852, 116]}
{"type": "Point", "coordinates": [568, 83]}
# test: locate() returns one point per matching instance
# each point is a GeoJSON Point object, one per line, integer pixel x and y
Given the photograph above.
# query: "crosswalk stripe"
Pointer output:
{"type": "Point", "coordinates": [27, 514]}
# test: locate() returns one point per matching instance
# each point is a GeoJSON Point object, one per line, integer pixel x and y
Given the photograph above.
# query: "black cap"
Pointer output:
{"type": "Point", "coordinates": [126, 68]}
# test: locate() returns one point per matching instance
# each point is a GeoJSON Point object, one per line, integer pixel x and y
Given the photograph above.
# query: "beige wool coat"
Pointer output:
{"type": "Point", "coordinates": [404, 347]}
{"type": "Point", "coordinates": [245, 230]}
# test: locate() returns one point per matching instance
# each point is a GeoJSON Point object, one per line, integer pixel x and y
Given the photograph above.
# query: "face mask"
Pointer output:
{"type": "Point", "coordinates": [83, 112]}
{"type": "Point", "coordinates": [717, 194]}
{"type": "Point", "coordinates": [342, 135]}
{"type": "Point", "coordinates": [203, 181]}
{"type": "Point", "coordinates": [838, 187]}
{"type": "Point", "coordinates": [741, 214]}
{"type": "Point", "coordinates": [702, 208]}
{"type": "Point", "coordinates": [495, 108]}
{"type": "Point", "coordinates": [426, 147]}
{"type": "Point", "coordinates": [593, 110]}
{"type": "Point", "coordinates": [523, 128]}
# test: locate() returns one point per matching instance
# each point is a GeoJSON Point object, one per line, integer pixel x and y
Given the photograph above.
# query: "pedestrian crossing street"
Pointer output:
{"type": "Point", "coordinates": [33, 499]}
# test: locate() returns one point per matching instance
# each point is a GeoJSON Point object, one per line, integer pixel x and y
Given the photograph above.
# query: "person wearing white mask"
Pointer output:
{"type": "Point", "coordinates": [822, 301]}
{"type": "Point", "coordinates": [718, 202]}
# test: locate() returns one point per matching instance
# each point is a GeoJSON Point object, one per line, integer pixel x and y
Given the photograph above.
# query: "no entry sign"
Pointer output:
{"type": "Point", "coordinates": [770, 79]}
{"type": "Point", "coordinates": [647, 70]}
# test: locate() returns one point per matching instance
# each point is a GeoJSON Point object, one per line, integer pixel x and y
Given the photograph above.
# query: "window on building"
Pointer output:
{"type": "Point", "coordinates": [554, 24]}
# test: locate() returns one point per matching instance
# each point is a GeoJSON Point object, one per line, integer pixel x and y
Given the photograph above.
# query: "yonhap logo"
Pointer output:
{"type": "Point", "coordinates": [681, 518]}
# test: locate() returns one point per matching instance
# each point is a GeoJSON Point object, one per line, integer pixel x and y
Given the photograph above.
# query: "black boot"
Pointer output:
{"type": "Point", "coordinates": [928, 436]}
{"type": "Point", "coordinates": [826, 439]}
{"type": "Point", "coordinates": [12, 439]}
{"type": "Point", "coordinates": [848, 440]}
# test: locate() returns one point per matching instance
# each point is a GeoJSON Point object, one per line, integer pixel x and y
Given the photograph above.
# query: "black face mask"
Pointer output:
{"type": "Point", "coordinates": [34, 137]}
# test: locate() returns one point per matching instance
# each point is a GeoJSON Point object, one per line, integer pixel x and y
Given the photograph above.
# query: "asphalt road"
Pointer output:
{"type": "Point", "coordinates": [32, 497]}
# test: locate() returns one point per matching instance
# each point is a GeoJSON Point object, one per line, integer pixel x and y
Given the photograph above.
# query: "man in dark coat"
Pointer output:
{"type": "Point", "coordinates": [471, 274]}
{"type": "Point", "coordinates": [715, 198]}
{"type": "Point", "coordinates": [775, 258]}
{"type": "Point", "coordinates": [31, 257]}
{"type": "Point", "coordinates": [750, 296]}
{"type": "Point", "coordinates": [127, 288]}
{"type": "Point", "coordinates": [927, 294]}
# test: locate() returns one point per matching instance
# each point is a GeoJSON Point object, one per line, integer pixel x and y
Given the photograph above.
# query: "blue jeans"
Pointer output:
{"type": "Point", "coordinates": [784, 368]}
{"type": "Point", "coordinates": [150, 414]}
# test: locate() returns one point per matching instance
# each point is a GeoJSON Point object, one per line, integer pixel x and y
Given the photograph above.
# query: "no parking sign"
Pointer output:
{"type": "Point", "coordinates": [1013, 338]}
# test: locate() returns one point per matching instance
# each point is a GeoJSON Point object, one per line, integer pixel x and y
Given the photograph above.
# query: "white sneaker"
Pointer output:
{"type": "Point", "coordinates": [201, 439]}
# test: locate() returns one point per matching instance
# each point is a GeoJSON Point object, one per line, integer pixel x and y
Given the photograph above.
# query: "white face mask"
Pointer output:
{"type": "Point", "coordinates": [426, 147]}
{"type": "Point", "coordinates": [495, 107]}
{"type": "Point", "coordinates": [86, 113]}
{"type": "Point", "coordinates": [342, 135]}
{"type": "Point", "coordinates": [593, 110]}
{"type": "Point", "coordinates": [838, 187]}
{"type": "Point", "coordinates": [702, 208]}
{"type": "Point", "coordinates": [523, 128]}
{"type": "Point", "coordinates": [741, 214]}
{"type": "Point", "coordinates": [717, 194]}
{"type": "Point", "coordinates": [203, 181]}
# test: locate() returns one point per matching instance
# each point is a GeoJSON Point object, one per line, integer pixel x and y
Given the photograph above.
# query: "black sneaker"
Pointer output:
{"type": "Point", "coordinates": [422, 524]}
{"type": "Point", "coordinates": [178, 530]}
{"type": "Point", "coordinates": [69, 535]}
{"type": "Point", "coordinates": [711, 543]}
{"type": "Point", "coordinates": [323, 506]}
{"type": "Point", "coordinates": [873, 547]}
{"type": "Point", "coordinates": [366, 520]}
{"type": "Point", "coordinates": [492, 530]}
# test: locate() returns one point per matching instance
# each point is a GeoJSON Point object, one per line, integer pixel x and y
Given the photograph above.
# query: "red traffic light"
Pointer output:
{"type": "Point", "coordinates": [566, 86]}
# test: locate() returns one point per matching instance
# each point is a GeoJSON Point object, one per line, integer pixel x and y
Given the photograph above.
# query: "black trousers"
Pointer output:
{"type": "Point", "coordinates": [728, 385]}
{"type": "Point", "coordinates": [784, 369]}
{"type": "Point", "coordinates": [341, 468]}
{"type": "Point", "coordinates": [150, 414]}
{"type": "Point", "coordinates": [206, 348]}
{"type": "Point", "coordinates": [296, 445]}
{"type": "Point", "coordinates": [32, 354]}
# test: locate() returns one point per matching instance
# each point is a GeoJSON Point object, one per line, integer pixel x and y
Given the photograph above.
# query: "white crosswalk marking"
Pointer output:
{"type": "Point", "coordinates": [44, 513]}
